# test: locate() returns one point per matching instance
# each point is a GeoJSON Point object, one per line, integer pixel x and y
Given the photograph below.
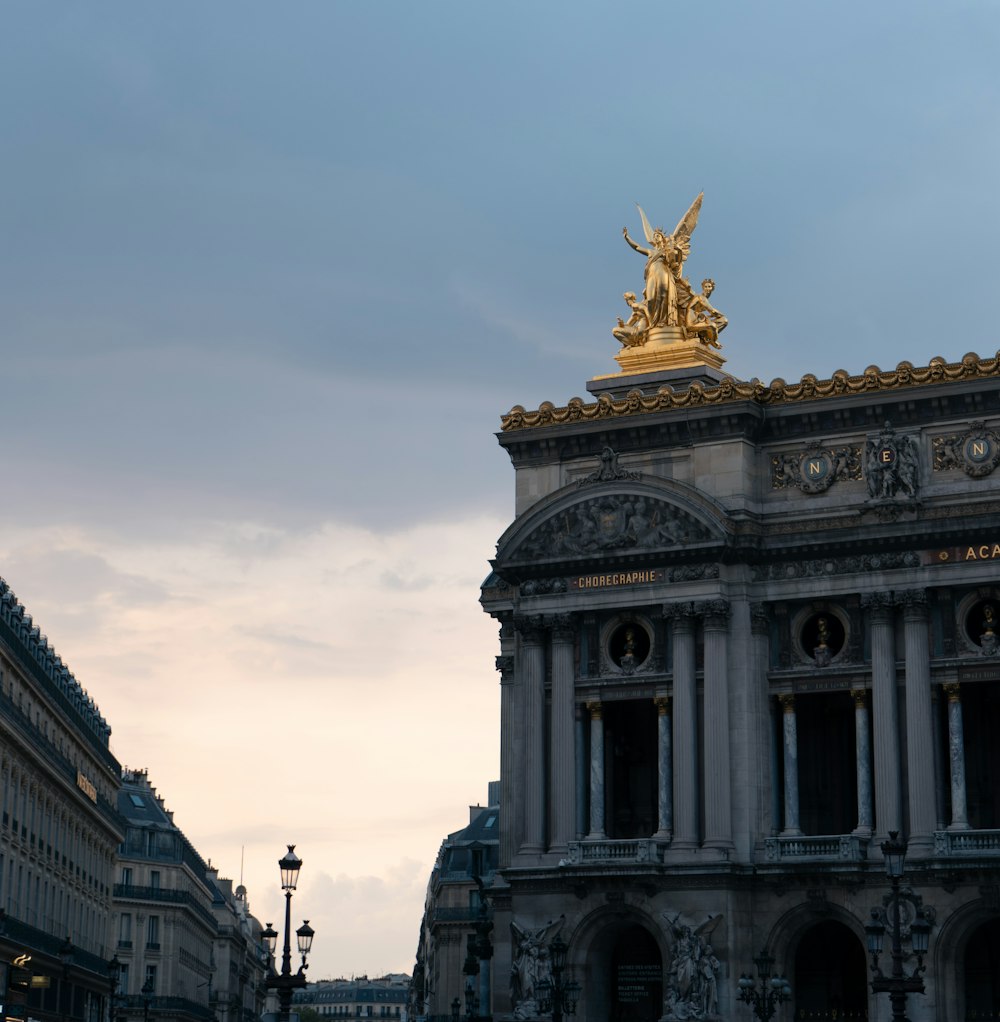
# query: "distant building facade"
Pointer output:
{"type": "Point", "coordinates": [452, 910]}
{"type": "Point", "coordinates": [188, 947]}
{"type": "Point", "coordinates": [747, 631]}
{"type": "Point", "coordinates": [357, 1000]}
{"type": "Point", "coordinates": [59, 831]}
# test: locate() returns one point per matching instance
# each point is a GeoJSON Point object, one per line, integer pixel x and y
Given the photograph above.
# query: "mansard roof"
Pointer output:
{"type": "Point", "coordinates": [37, 656]}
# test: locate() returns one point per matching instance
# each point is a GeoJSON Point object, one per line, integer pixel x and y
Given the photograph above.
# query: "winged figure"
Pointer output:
{"type": "Point", "coordinates": [666, 294]}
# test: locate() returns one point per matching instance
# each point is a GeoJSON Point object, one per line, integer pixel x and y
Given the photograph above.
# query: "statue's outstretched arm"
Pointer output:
{"type": "Point", "coordinates": [632, 244]}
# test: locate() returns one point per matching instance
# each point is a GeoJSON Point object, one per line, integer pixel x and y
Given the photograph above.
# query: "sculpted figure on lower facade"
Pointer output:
{"type": "Point", "coordinates": [530, 965]}
{"type": "Point", "coordinates": [692, 982]}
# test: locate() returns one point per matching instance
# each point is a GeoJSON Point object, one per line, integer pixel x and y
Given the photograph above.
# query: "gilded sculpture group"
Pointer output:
{"type": "Point", "coordinates": [669, 311]}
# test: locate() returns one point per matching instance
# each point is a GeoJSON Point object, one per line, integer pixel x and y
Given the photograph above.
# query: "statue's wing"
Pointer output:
{"type": "Point", "coordinates": [708, 927]}
{"type": "Point", "coordinates": [646, 229]}
{"type": "Point", "coordinates": [688, 222]}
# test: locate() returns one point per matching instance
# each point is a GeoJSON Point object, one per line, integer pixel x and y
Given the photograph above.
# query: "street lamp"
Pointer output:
{"type": "Point", "coordinates": [287, 981]}
{"type": "Point", "coordinates": [66, 957]}
{"type": "Point", "coordinates": [898, 983]}
{"type": "Point", "coordinates": [558, 996]}
{"type": "Point", "coordinates": [114, 977]}
{"type": "Point", "coordinates": [147, 997]}
{"type": "Point", "coordinates": [772, 991]}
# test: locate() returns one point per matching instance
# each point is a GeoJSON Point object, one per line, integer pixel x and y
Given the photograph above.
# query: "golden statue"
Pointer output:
{"type": "Point", "coordinates": [671, 327]}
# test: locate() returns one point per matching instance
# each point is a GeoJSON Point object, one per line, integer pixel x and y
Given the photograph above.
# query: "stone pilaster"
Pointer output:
{"type": "Point", "coordinates": [533, 672]}
{"type": "Point", "coordinates": [563, 761]}
{"type": "Point", "coordinates": [685, 725]}
{"type": "Point", "coordinates": [919, 723]}
{"type": "Point", "coordinates": [582, 771]}
{"type": "Point", "coordinates": [888, 800]}
{"type": "Point", "coordinates": [511, 757]}
{"type": "Point", "coordinates": [718, 779]}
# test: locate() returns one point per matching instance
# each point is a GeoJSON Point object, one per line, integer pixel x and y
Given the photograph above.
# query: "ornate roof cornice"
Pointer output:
{"type": "Point", "coordinates": [809, 388]}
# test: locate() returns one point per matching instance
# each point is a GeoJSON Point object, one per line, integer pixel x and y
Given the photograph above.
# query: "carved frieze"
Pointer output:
{"type": "Point", "coordinates": [814, 469]}
{"type": "Point", "coordinates": [609, 523]}
{"type": "Point", "coordinates": [976, 451]}
{"type": "Point", "coordinates": [834, 566]}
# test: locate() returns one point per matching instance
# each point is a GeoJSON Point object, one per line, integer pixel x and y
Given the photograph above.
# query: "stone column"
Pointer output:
{"type": "Point", "coordinates": [665, 779]}
{"type": "Point", "coordinates": [919, 723]}
{"type": "Point", "coordinates": [563, 792]}
{"type": "Point", "coordinates": [596, 771]}
{"type": "Point", "coordinates": [582, 777]}
{"type": "Point", "coordinates": [956, 756]}
{"type": "Point", "coordinates": [863, 756]}
{"type": "Point", "coordinates": [533, 654]}
{"type": "Point", "coordinates": [511, 757]}
{"type": "Point", "coordinates": [763, 757]}
{"type": "Point", "coordinates": [888, 801]}
{"type": "Point", "coordinates": [718, 781]}
{"type": "Point", "coordinates": [685, 724]}
{"type": "Point", "coordinates": [790, 748]}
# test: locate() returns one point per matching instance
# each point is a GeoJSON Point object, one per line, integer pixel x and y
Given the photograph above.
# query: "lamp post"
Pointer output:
{"type": "Point", "coordinates": [898, 983]}
{"type": "Point", "coordinates": [66, 957]}
{"type": "Point", "coordinates": [456, 1010]}
{"type": "Point", "coordinates": [114, 977]}
{"type": "Point", "coordinates": [147, 997]}
{"type": "Point", "coordinates": [771, 991]}
{"type": "Point", "coordinates": [558, 996]}
{"type": "Point", "coordinates": [287, 981]}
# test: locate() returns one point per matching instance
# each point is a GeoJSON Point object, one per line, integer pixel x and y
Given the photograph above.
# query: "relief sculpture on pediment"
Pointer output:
{"type": "Point", "coordinates": [611, 523]}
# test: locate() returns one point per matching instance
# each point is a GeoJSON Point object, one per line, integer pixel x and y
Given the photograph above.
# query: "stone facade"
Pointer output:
{"type": "Point", "coordinates": [188, 946]}
{"type": "Point", "coordinates": [59, 830]}
{"type": "Point", "coordinates": [745, 632]}
{"type": "Point", "coordinates": [452, 911]}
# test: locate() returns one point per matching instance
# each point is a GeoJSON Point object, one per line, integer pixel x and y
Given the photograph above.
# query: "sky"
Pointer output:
{"type": "Point", "coordinates": [269, 276]}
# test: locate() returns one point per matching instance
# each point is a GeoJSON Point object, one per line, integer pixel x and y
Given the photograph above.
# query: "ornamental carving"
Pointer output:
{"type": "Point", "coordinates": [976, 452]}
{"type": "Point", "coordinates": [834, 566]}
{"type": "Point", "coordinates": [892, 465]}
{"type": "Point", "coordinates": [815, 468]}
{"type": "Point", "coordinates": [612, 523]}
{"type": "Point", "coordinates": [809, 388]}
{"type": "Point", "coordinates": [609, 470]}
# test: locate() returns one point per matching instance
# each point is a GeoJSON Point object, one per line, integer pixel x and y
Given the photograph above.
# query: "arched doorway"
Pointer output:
{"type": "Point", "coordinates": [982, 971]}
{"type": "Point", "coordinates": [637, 977]}
{"type": "Point", "coordinates": [624, 975]}
{"type": "Point", "coordinates": [831, 978]}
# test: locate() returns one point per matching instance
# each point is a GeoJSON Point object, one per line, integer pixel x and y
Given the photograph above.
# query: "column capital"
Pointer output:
{"type": "Point", "coordinates": [760, 619]}
{"type": "Point", "coordinates": [505, 665]}
{"type": "Point", "coordinates": [860, 697]}
{"type": "Point", "coordinates": [530, 627]}
{"type": "Point", "coordinates": [596, 710]}
{"type": "Point", "coordinates": [787, 700]}
{"type": "Point", "coordinates": [563, 626]}
{"type": "Point", "coordinates": [878, 605]}
{"type": "Point", "coordinates": [715, 612]}
{"type": "Point", "coordinates": [662, 704]}
{"type": "Point", "coordinates": [913, 602]}
{"type": "Point", "coordinates": [952, 691]}
{"type": "Point", "coordinates": [681, 614]}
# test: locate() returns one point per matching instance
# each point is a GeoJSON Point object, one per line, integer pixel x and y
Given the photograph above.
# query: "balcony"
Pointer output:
{"type": "Point", "coordinates": [966, 842]}
{"type": "Point", "coordinates": [827, 847]}
{"type": "Point", "coordinates": [612, 852]}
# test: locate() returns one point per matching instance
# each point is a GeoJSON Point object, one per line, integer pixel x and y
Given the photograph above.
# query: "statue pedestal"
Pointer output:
{"type": "Point", "coordinates": [667, 349]}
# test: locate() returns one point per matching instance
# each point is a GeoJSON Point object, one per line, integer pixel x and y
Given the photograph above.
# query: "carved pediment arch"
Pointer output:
{"type": "Point", "coordinates": [612, 519]}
